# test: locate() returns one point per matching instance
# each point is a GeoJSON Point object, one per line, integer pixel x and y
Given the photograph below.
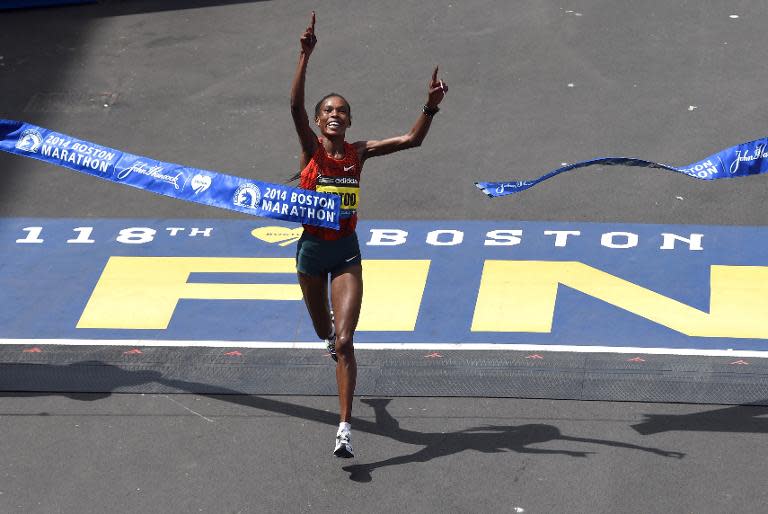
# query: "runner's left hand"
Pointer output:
{"type": "Point", "coordinates": [437, 90]}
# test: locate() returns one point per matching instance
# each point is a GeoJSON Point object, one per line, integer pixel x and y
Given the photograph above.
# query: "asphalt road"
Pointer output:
{"type": "Point", "coordinates": [190, 453]}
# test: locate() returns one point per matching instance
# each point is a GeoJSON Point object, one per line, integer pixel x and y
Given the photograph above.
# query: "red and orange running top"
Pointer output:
{"type": "Point", "coordinates": [341, 177]}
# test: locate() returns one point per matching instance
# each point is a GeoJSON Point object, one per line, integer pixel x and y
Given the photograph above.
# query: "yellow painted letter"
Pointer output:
{"type": "Point", "coordinates": [520, 296]}
{"type": "Point", "coordinates": [142, 292]}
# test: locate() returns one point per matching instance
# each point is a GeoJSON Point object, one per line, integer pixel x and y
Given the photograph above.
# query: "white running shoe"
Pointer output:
{"type": "Point", "coordinates": [343, 447]}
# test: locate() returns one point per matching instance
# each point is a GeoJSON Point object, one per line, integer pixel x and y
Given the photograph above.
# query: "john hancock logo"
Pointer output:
{"type": "Point", "coordinates": [247, 195]}
{"type": "Point", "coordinates": [178, 181]}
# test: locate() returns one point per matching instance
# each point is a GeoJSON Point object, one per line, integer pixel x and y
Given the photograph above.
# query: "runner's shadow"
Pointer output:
{"type": "Point", "coordinates": [485, 439]}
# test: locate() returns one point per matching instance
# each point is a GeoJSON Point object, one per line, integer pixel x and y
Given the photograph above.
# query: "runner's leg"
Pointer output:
{"type": "Point", "coordinates": [346, 297]}
{"type": "Point", "coordinates": [315, 291]}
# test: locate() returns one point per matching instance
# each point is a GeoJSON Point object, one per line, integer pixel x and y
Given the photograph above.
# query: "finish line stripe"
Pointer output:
{"type": "Point", "coordinates": [392, 346]}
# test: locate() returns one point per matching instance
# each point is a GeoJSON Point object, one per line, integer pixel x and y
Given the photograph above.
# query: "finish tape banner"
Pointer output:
{"type": "Point", "coordinates": [190, 184]}
{"type": "Point", "coordinates": [738, 161]}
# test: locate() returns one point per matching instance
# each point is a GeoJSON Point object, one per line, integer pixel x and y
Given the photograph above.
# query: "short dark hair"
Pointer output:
{"type": "Point", "coordinates": [319, 104]}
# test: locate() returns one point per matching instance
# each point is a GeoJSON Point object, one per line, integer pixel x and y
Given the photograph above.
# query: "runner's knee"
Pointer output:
{"type": "Point", "coordinates": [344, 345]}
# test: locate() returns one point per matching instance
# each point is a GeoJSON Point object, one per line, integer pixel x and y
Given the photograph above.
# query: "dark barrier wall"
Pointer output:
{"type": "Point", "coordinates": [22, 4]}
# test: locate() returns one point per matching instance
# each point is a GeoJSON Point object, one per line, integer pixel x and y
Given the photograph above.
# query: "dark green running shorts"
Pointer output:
{"type": "Point", "coordinates": [315, 256]}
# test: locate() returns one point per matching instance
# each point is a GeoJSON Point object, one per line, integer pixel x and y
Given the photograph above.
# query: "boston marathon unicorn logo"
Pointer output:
{"type": "Point", "coordinates": [29, 141]}
{"type": "Point", "coordinates": [247, 195]}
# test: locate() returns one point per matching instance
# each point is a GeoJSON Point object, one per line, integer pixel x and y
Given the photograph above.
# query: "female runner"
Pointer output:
{"type": "Point", "coordinates": [330, 164]}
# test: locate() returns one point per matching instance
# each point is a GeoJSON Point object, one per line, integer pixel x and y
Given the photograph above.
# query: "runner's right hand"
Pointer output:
{"type": "Point", "coordinates": [308, 39]}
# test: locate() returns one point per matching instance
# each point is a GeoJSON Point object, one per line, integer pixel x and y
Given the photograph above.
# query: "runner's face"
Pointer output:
{"type": "Point", "coordinates": [333, 118]}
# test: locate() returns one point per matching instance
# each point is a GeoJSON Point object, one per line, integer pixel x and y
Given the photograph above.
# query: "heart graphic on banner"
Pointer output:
{"type": "Point", "coordinates": [200, 183]}
{"type": "Point", "coordinates": [282, 235]}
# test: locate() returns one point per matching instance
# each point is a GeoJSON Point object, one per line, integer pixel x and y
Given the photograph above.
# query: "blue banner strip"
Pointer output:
{"type": "Point", "coordinates": [738, 161]}
{"type": "Point", "coordinates": [190, 184]}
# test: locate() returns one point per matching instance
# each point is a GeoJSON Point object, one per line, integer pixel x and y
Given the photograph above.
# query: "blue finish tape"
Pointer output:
{"type": "Point", "coordinates": [738, 161]}
{"type": "Point", "coordinates": [174, 180]}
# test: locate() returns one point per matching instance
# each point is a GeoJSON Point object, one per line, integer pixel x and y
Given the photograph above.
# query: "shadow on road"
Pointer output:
{"type": "Point", "coordinates": [91, 380]}
{"type": "Point", "coordinates": [122, 7]}
{"type": "Point", "coordinates": [485, 439]}
{"type": "Point", "coordinates": [737, 418]}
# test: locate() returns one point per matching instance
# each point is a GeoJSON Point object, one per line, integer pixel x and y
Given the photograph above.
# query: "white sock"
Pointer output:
{"type": "Point", "coordinates": [345, 427]}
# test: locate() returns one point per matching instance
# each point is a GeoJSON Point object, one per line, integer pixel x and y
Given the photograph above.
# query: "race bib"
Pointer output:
{"type": "Point", "coordinates": [346, 188]}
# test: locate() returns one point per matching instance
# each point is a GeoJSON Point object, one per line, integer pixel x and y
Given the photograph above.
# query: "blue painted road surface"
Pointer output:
{"type": "Point", "coordinates": [476, 282]}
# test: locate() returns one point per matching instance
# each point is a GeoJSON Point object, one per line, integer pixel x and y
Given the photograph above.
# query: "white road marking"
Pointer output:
{"type": "Point", "coordinates": [426, 346]}
{"type": "Point", "coordinates": [187, 408]}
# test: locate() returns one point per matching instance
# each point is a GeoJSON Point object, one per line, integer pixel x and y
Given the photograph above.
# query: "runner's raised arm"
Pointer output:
{"type": "Point", "coordinates": [307, 137]}
{"type": "Point", "coordinates": [435, 94]}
